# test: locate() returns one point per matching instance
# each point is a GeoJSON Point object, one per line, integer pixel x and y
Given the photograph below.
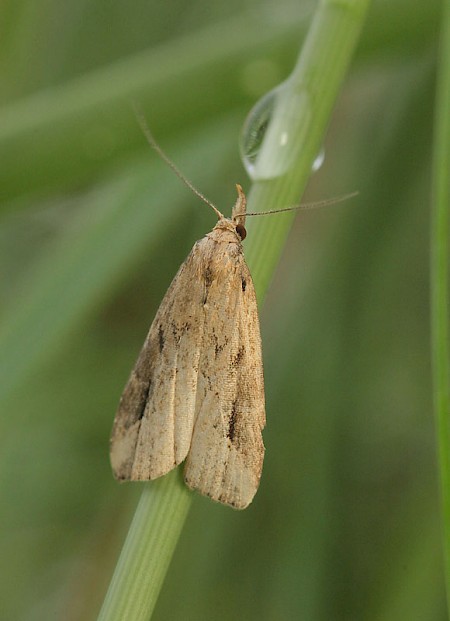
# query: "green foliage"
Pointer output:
{"type": "Point", "coordinates": [93, 227]}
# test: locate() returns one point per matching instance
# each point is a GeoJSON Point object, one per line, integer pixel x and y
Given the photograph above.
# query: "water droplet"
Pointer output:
{"type": "Point", "coordinates": [254, 130]}
{"type": "Point", "coordinates": [319, 160]}
{"type": "Point", "coordinates": [276, 130]}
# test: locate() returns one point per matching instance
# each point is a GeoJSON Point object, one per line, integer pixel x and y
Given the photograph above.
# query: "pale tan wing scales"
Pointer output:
{"type": "Point", "coordinates": [226, 455]}
{"type": "Point", "coordinates": [153, 425]}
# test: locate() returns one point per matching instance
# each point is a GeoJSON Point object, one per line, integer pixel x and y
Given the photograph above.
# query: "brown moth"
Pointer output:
{"type": "Point", "coordinates": [196, 393]}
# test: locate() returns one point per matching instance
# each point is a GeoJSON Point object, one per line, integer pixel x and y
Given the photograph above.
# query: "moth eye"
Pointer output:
{"type": "Point", "coordinates": [240, 230]}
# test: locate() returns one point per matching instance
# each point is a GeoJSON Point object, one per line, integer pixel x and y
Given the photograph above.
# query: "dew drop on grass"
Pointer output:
{"type": "Point", "coordinates": [270, 143]}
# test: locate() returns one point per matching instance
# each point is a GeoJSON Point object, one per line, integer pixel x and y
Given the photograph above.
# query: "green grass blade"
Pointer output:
{"type": "Point", "coordinates": [155, 529]}
{"type": "Point", "coordinates": [439, 279]}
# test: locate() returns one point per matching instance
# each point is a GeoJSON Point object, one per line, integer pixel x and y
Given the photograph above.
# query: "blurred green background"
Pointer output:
{"type": "Point", "coordinates": [345, 525]}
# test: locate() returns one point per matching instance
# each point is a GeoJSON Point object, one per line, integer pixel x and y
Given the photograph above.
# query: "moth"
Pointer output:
{"type": "Point", "coordinates": [196, 393]}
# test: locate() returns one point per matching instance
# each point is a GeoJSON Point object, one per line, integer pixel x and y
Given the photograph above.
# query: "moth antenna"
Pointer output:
{"type": "Point", "coordinates": [325, 203]}
{"type": "Point", "coordinates": [152, 142]}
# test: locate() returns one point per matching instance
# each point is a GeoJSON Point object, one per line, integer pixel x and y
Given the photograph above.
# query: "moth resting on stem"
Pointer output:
{"type": "Point", "coordinates": [196, 393]}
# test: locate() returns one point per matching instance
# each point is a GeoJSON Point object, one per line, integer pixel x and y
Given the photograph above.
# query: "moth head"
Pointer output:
{"type": "Point", "coordinates": [239, 212]}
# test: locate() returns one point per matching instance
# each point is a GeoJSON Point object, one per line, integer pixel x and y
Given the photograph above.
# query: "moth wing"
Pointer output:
{"type": "Point", "coordinates": [153, 426]}
{"type": "Point", "coordinates": [227, 451]}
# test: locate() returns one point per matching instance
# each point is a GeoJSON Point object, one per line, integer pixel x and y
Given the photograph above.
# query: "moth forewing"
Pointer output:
{"type": "Point", "coordinates": [197, 390]}
{"type": "Point", "coordinates": [153, 426]}
{"type": "Point", "coordinates": [226, 454]}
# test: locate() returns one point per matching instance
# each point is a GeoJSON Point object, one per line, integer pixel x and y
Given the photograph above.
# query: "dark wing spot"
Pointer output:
{"type": "Point", "coordinates": [176, 332]}
{"type": "Point", "coordinates": [244, 284]}
{"type": "Point", "coordinates": [161, 338]}
{"type": "Point", "coordinates": [232, 422]}
{"type": "Point", "coordinates": [179, 331]}
{"type": "Point", "coordinates": [238, 357]}
{"type": "Point", "coordinates": [218, 347]}
{"type": "Point", "coordinates": [208, 276]}
{"type": "Point", "coordinates": [144, 402]}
